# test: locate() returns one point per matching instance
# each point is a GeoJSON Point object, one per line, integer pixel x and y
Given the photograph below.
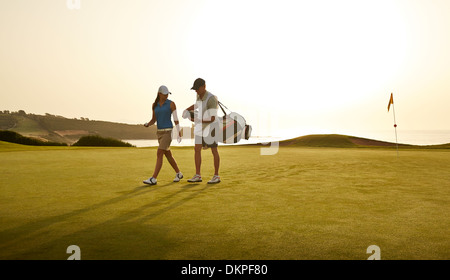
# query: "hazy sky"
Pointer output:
{"type": "Point", "coordinates": [295, 67]}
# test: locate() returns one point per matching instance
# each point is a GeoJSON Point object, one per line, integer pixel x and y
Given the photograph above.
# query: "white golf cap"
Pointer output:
{"type": "Point", "coordinates": [164, 90]}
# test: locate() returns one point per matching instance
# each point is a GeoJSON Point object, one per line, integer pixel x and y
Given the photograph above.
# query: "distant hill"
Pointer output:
{"type": "Point", "coordinates": [344, 141]}
{"type": "Point", "coordinates": [60, 129]}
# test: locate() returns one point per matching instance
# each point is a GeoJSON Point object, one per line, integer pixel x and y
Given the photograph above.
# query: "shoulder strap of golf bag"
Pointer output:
{"type": "Point", "coordinates": [221, 107]}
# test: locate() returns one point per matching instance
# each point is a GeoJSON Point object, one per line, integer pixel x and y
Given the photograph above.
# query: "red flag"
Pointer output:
{"type": "Point", "coordinates": [391, 101]}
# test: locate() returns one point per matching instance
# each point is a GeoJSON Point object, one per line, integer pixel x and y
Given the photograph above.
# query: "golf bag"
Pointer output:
{"type": "Point", "coordinates": [232, 127]}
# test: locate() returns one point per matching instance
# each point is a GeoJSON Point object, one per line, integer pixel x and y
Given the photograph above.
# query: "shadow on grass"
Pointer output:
{"type": "Point", "coordinates": [128, 227]}
{"type": "Point", "coordinates": [31, 227]}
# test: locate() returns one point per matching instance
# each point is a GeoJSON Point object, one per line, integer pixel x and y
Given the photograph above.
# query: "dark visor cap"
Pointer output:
{"type": "Point", "coordinates": [198, 83]}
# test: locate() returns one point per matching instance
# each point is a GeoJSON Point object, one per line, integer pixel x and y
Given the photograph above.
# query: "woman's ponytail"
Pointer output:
{"type": "Point", "coordinates": [156, 101]}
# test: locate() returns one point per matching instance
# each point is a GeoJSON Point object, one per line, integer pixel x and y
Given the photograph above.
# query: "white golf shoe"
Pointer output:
{"type": "Point", "coordinates": [150, 181]}
{"type": "Point", "coordinates": [196, 178]}
{"type": "Point", "coordinates": [178, 177]}
{"type": "Point", "coordinates": [215, 179]}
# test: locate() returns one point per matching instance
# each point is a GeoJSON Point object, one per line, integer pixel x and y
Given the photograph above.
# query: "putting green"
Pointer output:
{"type": "Point", "coordinates": [301, 203]}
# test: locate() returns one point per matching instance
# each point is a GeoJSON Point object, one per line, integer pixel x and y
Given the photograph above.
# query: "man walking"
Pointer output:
{"type": "Point", "coordinates": [205, 126]}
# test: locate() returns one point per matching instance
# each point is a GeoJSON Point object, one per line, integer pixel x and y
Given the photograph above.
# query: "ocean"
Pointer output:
{"type": "Point", "coordinates": [413, 137]}
{"type": "Point", "coordinates": [190, 142]}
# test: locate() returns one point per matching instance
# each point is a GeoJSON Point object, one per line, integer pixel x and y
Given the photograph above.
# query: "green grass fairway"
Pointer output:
{"type": "Point", "coordinates": [302, 203]}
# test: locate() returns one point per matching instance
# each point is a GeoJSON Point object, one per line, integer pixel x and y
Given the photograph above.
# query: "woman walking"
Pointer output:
{"type": "Point", "coordinates": [163, 109]}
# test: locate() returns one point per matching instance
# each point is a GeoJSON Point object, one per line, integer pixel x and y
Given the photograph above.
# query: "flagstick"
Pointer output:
{"type": "Point", "coordinates": [395, 126]}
